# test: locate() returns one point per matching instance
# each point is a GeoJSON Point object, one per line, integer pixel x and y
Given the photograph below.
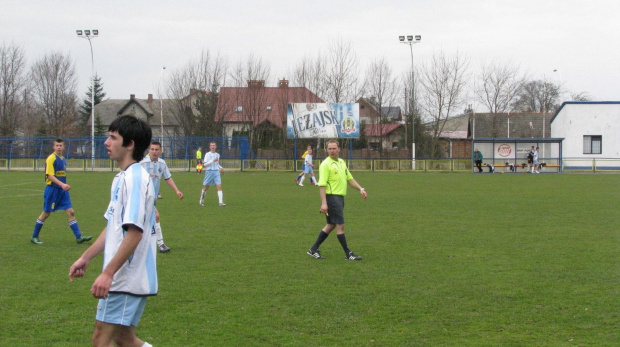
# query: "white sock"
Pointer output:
{"type": "Point", "coordinates": [301, 181]}
{"type": "Point", "coordinates": [160, 237]}
{"type": "Point", "coordinates": [202, 194]}
{"type": "Point", "coordinates": [146, 344]}
{"type": "Point", "coordinates": [220, 196]}
{"type": "Point", "coordinates": [313, 180]}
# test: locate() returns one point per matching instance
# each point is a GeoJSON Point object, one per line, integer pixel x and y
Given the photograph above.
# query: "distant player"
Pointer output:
{"type": "Point", "coordinates": [308, 168]}
{"type": "Point", "coordinates": [213, 169]}
{"type": "Point", "coordinates": [303, 166]}
{"type": "Point", "coordinates": [157, 168]}
{"type": "Point", "coordinates": [199, 160]}
{"type": "Point", "coordinates": [56, 196]}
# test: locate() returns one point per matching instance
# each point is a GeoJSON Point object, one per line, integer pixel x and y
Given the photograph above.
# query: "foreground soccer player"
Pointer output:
{"type": "Point", "coordinates": [56, 196]}
{"type": "Point", "coordinates": [128, 244]}
{"type": "Point", "coordinates": [334, 176]}
{"type": "Point", "coordinates": [157, 168]}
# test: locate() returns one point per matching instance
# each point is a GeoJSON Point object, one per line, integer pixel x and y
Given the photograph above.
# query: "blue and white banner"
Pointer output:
{"type": "Point", "coordinates": [312, 120]}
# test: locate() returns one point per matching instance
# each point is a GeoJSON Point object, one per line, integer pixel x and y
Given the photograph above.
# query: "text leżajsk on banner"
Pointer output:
{"type": "Point", "coordinates": [325, 121]}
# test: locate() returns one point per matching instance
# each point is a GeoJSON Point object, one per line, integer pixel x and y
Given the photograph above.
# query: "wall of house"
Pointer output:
{"type": "Point", "coordinates": [576, 120]}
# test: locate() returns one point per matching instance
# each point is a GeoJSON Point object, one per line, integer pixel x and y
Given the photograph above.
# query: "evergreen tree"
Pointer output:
{"type": "Point", "coordinates": [85, 107]}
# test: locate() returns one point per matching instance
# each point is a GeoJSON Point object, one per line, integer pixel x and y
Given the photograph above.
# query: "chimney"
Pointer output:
{"type": "Point", "coordinates": [283, 83]}
{"type": "Point", "coordinates": [256, 83]}
{"type": "Point", "coordinates": [132, 96]}
{"type": "Point", "coordinates": [150, 100]}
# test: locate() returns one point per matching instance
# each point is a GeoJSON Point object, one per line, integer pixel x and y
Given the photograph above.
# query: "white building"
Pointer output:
{"type": "Point", "coordinates": [591, 132]}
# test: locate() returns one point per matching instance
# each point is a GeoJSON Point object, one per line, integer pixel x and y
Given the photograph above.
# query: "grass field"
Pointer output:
{"type": "Point", "coordinates": [449, 259]}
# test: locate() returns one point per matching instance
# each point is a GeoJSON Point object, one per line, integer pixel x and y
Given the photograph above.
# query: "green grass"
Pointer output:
{"type": "Point", "coordinates": [449, 259]}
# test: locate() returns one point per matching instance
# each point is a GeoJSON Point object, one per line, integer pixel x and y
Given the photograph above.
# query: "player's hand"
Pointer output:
{"type": "Point", "coordinates": [180, 195]}
{"type": "Point", "coordinates": [364, 194]}
{"type": "Point", "coordinates": [66, 187]}
{"type": "Point", "coordinates": [101, 287]}
{"type": "Point", "coordinates": [216, 159]}
{"type": "Point", "coordinates": [323, 208]}
{"type": "Point", "coordinates": [77, 269]}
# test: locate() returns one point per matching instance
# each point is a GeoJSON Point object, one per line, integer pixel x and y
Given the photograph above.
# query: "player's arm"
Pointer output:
{"type": "Point", "coordinates": [353, 183]}
{"type": "Point", "coordinates": [170, 182]}
{"type": "Point", "coordinates": [54, 179]}
{"type": "Point", "coordinates": [322, 192]}
{"type": "Point", "coordinates": [79, 267]}
{"type": "Point", "coordinates": [102, 284]}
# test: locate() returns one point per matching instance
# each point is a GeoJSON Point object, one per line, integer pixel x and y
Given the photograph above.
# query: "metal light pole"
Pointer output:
{"type": "Point", "coordinates": [410, 41]}
{"type": "Point", "coordinates": [161, 108]}
{"type": "Point", "coordinates": [91, 34]}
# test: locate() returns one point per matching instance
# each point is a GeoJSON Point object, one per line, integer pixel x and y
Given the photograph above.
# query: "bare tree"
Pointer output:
{"type": "Point", "coordinates": [54, 90]}
{"type": "Point", "coordinates": [194, 90]}
{"type": "Point", "coordinates": [381, 85]}
{"type": "Point", "coordinates": [498, 85]}
{"type": "Point", "coordinates": [342, 73]}
{"type": "Point", "coordinates": [538, 96]}
{"type": "Point", "coordinates": [311, 73]}
{"type": "Point", "coordinates": [255, 72]}
{"type": "Point", "coordinates": [443, 82]}
{"type": "Point", "coordinates": [13, 81]}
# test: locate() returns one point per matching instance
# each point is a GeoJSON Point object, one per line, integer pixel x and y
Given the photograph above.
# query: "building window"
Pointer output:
{"type": "Point", "coordinates": [374, 146]}
{"type": "Point", "coordinates": [268, 108]}
{"type": "Point", "coordinates": [592, 144]}
{"type": "Point", "coordinates": [239, 108]}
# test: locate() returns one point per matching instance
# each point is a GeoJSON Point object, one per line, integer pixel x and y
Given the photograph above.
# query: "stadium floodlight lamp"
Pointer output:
{"type": "Point", "coordinates": [79, 32]}
{"type": "Point", "coordinates": [95, 32]}
{"type": "Point", "coordinates": [409, 37]}
{"type": "Point", "coordinates": [87, 32]}
{"type": "Point", "coordinates": [418, 38]}
{"type": "Point", "coordinates": [401, 38]}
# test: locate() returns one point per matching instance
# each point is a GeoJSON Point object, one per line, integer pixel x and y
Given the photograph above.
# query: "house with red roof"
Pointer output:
{"type": "Point", "coordinates": [258, 109]}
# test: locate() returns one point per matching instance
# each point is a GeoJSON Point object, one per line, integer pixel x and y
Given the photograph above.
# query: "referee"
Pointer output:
{"type": "Point", "coordinates": [333, 178]}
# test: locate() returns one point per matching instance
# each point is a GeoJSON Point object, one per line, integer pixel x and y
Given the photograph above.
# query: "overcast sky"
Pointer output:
{"type": "Point", "coordinates": [578, 38]}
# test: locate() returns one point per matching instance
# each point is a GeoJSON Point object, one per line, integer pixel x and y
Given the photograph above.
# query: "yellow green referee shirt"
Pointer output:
{"type": "Point", "coordinates": [334, 175]}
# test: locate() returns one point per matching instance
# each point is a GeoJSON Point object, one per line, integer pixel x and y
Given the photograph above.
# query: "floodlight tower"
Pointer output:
{"type": "Point", "coordinates": [91, 34]}
{"type": "Point", "coordinates": [409, 40]}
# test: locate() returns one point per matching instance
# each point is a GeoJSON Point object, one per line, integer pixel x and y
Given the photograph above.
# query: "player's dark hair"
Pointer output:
{"type": "Point", "coordinates": [156, 143]}
{"type": "Point", "coordinates": [133, 129]}
{"type": "Point", "coordinates": [59, 140]}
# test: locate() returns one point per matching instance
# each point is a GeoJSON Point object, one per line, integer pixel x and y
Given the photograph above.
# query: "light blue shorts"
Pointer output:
{"type": "Point", "coordinates": [123, 309]}
{"type": "Point", "coordinates": [308, 170]}
{"type": "Point", "coordinates": [212, 177]}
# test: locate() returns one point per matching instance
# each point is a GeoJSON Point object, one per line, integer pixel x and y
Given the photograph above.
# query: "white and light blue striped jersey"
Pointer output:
{"type": "Point", "coordinates": [157, 170]}
{"type": "Point", "coordinates": [132, 202]}
{"type": "Point", "coordinates": [209, 164]}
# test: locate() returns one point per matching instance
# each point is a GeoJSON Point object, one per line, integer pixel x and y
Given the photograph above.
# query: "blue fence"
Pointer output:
{"type": "Point", "coordinates": [80, 148]}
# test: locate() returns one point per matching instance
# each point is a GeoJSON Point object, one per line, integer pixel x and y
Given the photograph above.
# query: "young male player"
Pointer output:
{"type": "Point", "coordinates": [212, 174]}
{"type": "Point", "coordinates": [308, 168]}
{"type": "Point", "coordinates": [333, 180]}
{"type": "Point", "coordinates": [157, 168]}
{"type": "Point", "coordinates": [128, 245]}
{"type": "Point", "coordinates": [303, 166]}
{"type": "Point", "coordinates": [56, 195]}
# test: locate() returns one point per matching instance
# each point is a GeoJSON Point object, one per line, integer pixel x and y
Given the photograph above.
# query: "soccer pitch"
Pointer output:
{"type": "Point", "coordinates": [448, 259]}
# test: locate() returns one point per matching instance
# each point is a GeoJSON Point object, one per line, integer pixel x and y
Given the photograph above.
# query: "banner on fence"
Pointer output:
{"type": "Point", "coordinates": [328, 120]}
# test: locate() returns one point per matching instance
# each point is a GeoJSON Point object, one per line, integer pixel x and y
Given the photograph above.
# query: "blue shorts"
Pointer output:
{"type": "Point", "coordinates": [335, 209]}
{"type": "Point", "coordinates": [56, 199]}
{"type": "Point", "coordinates": [212, 177]}
{"type": "Point", "coordinates": [122, 309]}
{"type": "Point", "coordinates": [308, 170]}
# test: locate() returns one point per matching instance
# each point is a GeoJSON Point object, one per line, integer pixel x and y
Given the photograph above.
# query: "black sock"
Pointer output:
{"type": "Point", "coordinates": [322, 236]}
{"type": "Point", "coordinates": [343, 242]}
